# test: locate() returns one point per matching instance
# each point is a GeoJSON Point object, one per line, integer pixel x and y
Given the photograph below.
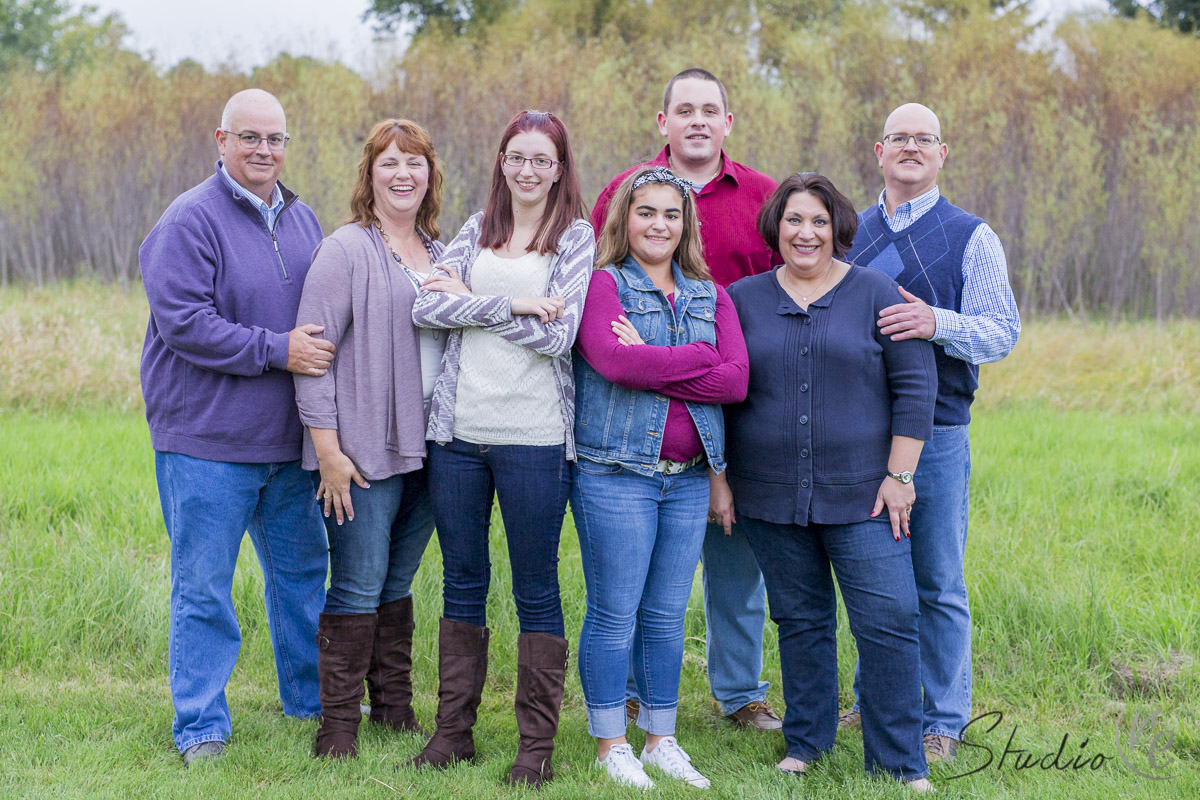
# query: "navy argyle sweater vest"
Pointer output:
{"type": "Point", "coordinates": [926, 259]}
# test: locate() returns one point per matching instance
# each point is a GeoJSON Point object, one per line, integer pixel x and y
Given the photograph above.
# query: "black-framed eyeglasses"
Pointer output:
{"type": "Point", "coordinates": [537, 162]}
{"type": "Point", "coordinates": [923, 140]}
{"type": "Point", "coordinates": [249, 141]}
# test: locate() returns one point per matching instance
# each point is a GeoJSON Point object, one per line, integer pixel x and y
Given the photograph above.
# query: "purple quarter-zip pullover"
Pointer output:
{"type": "Point", "coordinates": [223, 292]}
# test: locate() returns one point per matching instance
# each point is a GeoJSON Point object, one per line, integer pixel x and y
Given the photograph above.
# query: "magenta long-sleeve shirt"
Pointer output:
{"type": "Point", "coordinates": [698, 372]}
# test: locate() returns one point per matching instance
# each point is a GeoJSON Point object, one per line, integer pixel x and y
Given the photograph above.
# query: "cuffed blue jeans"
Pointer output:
{"type": "Point", "coordinates": [374, 557]}
{"type": "Point", "coordinates": [939, 543]}
{"type": "Point", "coordinates": [735, 611]}
{"type": "Point", "coordinates": [874, 573]}
{"type": "Point", "coordinates": [208, 506]}
{"type": "Point", "coordinates": [639, 540]}
{"type": "Point", "coordinates": [532, 485]}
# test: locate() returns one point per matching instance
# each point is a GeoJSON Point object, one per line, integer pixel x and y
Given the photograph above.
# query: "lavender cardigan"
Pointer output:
{"type": "Point", "coordinates": [570, 271]}
{"type": "Point", "coordinates": [372, 393]}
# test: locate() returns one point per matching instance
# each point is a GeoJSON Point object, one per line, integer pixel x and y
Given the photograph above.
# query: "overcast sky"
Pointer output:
{"type": "Point", "coordinates": [248, 33]}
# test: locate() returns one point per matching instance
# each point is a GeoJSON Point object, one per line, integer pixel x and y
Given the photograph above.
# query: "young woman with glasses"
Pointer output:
{"type": "Point", "coordinates": [510, 289]}
{"type": "Point", "coordinates": [660, 349]}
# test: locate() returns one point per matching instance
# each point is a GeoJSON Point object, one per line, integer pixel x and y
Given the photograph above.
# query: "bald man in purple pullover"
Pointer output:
{"type": "Point", "coordinates": [223, 269]}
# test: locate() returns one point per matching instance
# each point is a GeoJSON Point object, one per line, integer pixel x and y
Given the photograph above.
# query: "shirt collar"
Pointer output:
{"type": "Point", "coordinates": [276, 193]}
{"type": "Point", "coordinates": [911, 210]}
{"type": "Point", "coordinates": [728, 168]}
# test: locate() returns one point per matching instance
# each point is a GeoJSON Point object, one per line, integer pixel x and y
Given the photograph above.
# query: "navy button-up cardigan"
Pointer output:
{"type": "Point", "coordinates": [827, 392]}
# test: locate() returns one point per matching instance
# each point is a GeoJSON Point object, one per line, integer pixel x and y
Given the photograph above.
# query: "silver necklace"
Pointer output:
{"type": "Point", "coordinates": [412, 274]}
{"type": "Point", "coordinates": [388, 242]}
{"type": "Point", "coordinates": [825, 277]}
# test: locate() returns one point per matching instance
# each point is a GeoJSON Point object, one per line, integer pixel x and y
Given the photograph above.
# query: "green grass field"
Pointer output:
{"type": "Point", "coordinates": [1084, 566]}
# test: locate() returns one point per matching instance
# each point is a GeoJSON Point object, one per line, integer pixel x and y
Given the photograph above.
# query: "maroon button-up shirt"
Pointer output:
{"type": "Point", "coordinates": [727, 208]}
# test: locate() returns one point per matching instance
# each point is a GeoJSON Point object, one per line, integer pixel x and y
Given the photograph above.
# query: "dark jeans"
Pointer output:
{"type": "Point", "coordinates": [374, 557]}
{"type": "Point", "coordinates": [875, 575]}
{"type": "Point", "coordinates": [532, 485]}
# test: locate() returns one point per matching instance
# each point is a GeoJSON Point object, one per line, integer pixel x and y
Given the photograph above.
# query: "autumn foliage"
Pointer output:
{"type": "Point", "coordinates": [1080, 145]}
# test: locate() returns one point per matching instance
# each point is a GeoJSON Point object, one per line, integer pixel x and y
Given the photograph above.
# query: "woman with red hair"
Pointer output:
{"type": "Point", "coordinates": [510, 289]}
{"type": "Point", "coordinates": [364, 429]}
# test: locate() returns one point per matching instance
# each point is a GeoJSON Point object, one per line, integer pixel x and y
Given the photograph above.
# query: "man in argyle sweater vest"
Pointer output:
{"type": "Point", "coordinates": [954, 284]}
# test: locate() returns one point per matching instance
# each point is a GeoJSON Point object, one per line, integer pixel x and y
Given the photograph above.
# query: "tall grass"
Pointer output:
{"type": "Point", "coordinates": [1082, 562]}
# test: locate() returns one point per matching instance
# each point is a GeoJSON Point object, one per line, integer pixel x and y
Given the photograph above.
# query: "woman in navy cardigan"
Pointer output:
{"type": "Point", "coordinates": [821, 457]}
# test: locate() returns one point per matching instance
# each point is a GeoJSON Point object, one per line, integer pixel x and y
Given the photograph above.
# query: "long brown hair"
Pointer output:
{"type": "Point", "coordinates": [564, 204]}
{"type": "Point", "coordinates": [614, 239]}
{"type": "Point", "coordinates": [409, 138]}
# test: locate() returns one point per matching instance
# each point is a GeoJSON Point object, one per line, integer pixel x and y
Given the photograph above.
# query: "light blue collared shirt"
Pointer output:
{"type": "Point", "coordinates": [269, 212]}
{"type": "Point", "coordinates": [988, 326]}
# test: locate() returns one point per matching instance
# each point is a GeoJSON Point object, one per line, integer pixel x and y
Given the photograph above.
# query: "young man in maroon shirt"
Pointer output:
{"type": "Point", "coordinates": [695, 120]}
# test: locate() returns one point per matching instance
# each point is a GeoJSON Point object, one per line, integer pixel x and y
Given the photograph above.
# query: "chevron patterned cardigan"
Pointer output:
{"type": "Point", "coordinates": [570, 273]}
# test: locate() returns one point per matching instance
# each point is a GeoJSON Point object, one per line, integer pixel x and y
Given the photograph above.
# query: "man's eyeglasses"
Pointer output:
{"type": "Point", "coordinates": [923, 140]}
{"type": "Point", "coordinates": [539, 162]}
{"type": "Point", "coordinates": [249, 141]}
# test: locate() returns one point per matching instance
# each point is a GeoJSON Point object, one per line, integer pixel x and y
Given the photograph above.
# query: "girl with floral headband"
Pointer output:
{"type": "Point", "coordinates": [660, 350]}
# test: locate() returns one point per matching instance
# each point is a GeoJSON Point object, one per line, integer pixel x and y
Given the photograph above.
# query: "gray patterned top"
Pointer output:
{"type": "Point", "coordinates": [570, 272]}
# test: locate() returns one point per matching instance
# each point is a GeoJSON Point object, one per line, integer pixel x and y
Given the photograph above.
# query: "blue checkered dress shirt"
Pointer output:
{"type": "Point", "coordinates": [988, 326]}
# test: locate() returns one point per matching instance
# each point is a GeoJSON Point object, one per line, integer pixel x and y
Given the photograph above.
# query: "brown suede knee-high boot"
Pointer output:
{"type": "Point", "coordinates": [462, 669]}
{"type": "Point", "coordinates": [541, 669]}
{"type": "Point", "coordinates": [343, 653]}
{"type": "Point", "coordinates": [389, 679]}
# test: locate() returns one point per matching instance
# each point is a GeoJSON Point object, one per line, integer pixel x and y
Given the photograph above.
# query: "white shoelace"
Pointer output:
{"type": "Point", "coordinates": [673, 760]}
{"type": "Point", "coordinates": [624, 767]}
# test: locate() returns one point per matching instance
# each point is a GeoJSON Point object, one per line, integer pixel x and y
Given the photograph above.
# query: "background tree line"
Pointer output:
{"type": "Point", "coordinates": [1080, 145]}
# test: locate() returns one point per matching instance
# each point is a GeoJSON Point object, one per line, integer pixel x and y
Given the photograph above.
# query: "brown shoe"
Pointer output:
{"type": "Point", "coordinates": [633, 707]}
{"type": "Point", "coordinates": [541, 670]}
{"type": "Point", "coordinates": [343, 654]}
{"type": "Point", "coordinates": [462, 669]}
{"type": "Point", "coordinates": [389, 678]}
{"type": "Point", "coordinates": [756, 714]}
{"type": "Point", "coordinates": [849, 719]}
{"type": "Point", "coordinates": [939, 748]}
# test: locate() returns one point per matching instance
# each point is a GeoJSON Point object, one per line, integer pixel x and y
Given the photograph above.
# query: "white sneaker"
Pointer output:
{"type": "Point", "coordinates": [671, 759]}
{"type": "Point", "coordinates": [623, 767]}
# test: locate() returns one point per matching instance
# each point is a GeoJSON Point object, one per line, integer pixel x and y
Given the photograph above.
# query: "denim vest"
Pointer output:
{"type": "Point", "coordinates": [615, 425]}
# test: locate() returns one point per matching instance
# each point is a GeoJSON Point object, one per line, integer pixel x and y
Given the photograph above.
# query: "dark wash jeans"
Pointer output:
{"type": "Point", "coordinates": [532, 484]}
{"type": "Point", "coordinates": [374, 557]}
{"type": "Point", "coordinates": [874, 573]}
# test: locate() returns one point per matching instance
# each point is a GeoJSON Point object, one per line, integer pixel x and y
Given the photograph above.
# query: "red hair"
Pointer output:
{"type": "Point", "coordinates": [563, 205]}
{"type": "Point", "coordinates": [409, 137]}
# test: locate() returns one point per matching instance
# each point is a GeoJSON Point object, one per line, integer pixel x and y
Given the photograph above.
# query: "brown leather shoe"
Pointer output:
{"type": "Point", "coordinates": [389, 679]}
{"type": "Point", "coordinates": [939, 748]}
{"type": "Point", "coordinates": [756, 714]}
{"type": "Point", "coordinates": [849, 719]}
{"type": "Point", "coordinates": [632, 709]}
{"type": "Point", "coordinates": [541, 670]}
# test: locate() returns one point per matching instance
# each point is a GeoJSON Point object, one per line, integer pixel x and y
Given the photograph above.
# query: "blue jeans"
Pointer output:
{"type": "Point", "coordinates": [532, 485]}
{"type": "Point", "coordinates": [373, 558]}
{"type": "Point", "coordinates": [874, 573]}
{"type": "Point", "coordinates": [939, 542]}
{"type": "Point", "coordinates": [639, 540]}
{"type": "Point", "coordinates": [735, 609]}
{"type": "Point", "coordinates": [207, 507]}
